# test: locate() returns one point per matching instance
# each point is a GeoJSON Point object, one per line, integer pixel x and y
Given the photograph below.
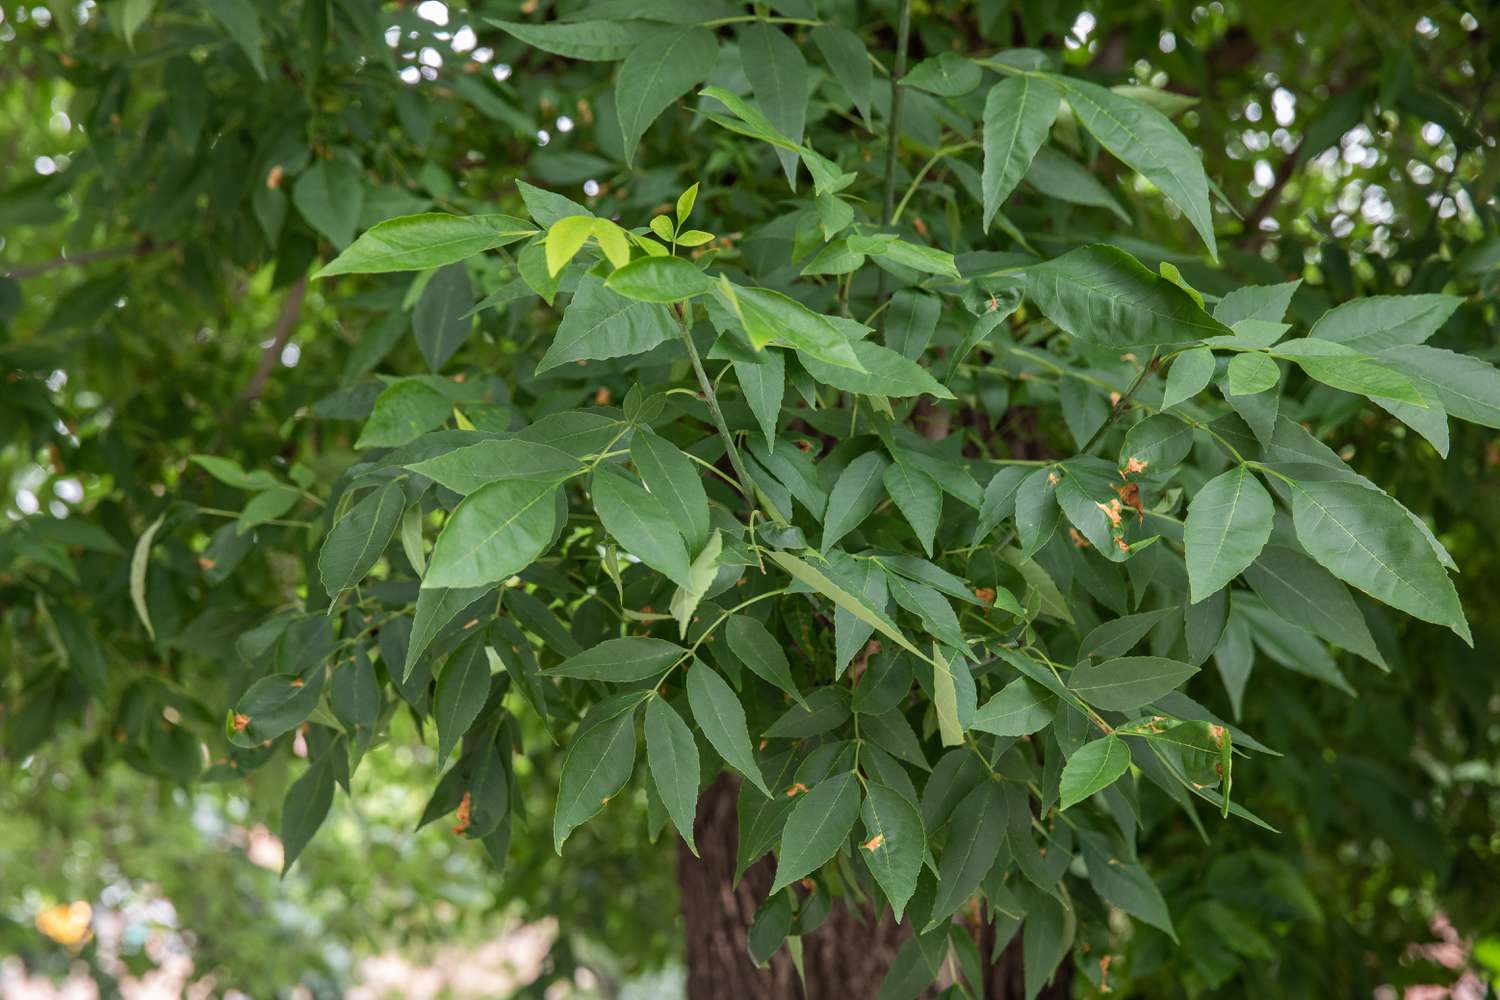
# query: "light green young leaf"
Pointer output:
{"type": "Point", "coordinates": [1095, 767]}
{"type": "Point", "coordinates": [703, 571]}
{"type": "Point", "coordinates": [748, 120]}
{"type": "Point", "coordinates": [418, 242]}
{"type": "Point", "coordinates": [1366, 539]}
{"type": "Point", "coordinates": [1345, 368]}
{"type": "Point", "coordinates": [497, 531]}
{"type": "Point", "coordinates": [721, 717]}
{"type": "Point", "coordinates": [816, 828]}
{"type": "Point", "coordinates": [656, 73]}
{"type": "Point", "coordinates": [1018, 114]}
{"type": "Point", "coordinates": [772, 318]}
{"type": "Point", "coordinates": [672, 755]}
{"type": "Point", "coordinates": [1228, 523]}
{"type": "Point", "coordinates": [352, 547]}
{"type": "Point", "coordinates": [140, 562]}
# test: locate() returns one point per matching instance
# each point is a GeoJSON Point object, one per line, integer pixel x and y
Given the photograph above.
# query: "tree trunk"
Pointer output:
{"type": "Point", "coordinates": [845, 959]}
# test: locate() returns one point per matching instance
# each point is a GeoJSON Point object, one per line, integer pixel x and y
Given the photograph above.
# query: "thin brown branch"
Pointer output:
{"type": "Point", "coordinates": [141, 249]}
{"type": "Point", "coordinates": [290, 310]}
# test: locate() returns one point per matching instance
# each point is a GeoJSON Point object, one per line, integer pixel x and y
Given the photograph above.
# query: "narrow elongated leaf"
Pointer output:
{"type": "Point", "coordinates": [755, 647]}
{"type": "Point", "coordinates": [1227, 525]}
{"type": "Point", "coordinates": [306, 806]}
{"type": "Point", "coordinates": [772, 318]}
{"type": "Point", "coordinates": [641, 523]}
{"type": "Point", "coordinates": [601, 41]}
{"type": "Point", "coordinates": [1364, 538]}
{"type": "Point", "coordinates": [437, 607]}
{"type": "Point", "coordinates": [816, 828]}
{"type": "Point", "coordinates": [1345, 368]}
{"type": "Point", "coordinates": [631, 658]}
{"type": "Point", "coordinates": [1146, 141]}
{"type": "Point", "coordinates": [497, 531]}
{"type": "Point", "coordinates": [1304, 593]}
{"type": "Point", "coordinates": [763, 383]}
{"type": "Point", "coordinates": [418, 242]}
{"type": "Point", "coordinates": [886, 373]}
{"type": "Point", "coordinates": [1103, 294]}
{"type": "Point", "coordinates": [1095, 767]}
{"type": "Point", "coordinates": [778, 75]}
{"type": "Point", "coordinates": [845, 54]}
{"type": "Point", "coordinates": [672, 755]}
{"type": "Point", "coordinates": [856, 492]}
{"type": "Point", "coordinates": [597, 766]}
{"type": "Point", "coordinates": [1128, 682]}
{"type": "Point", "coordinates": [975, 835]}
{"type": "Point", "coordinates": [918, 497]}
{"type": "Point", "coordinates": [462, 688]}
{"type": "Point", "coordinates": [354, 544]}
{"type": "Point", "coordinates": [1018, 114]}
{"type": "Point", "coordinates": [719, 714]}
{"type": "Point", "coordinates": [662, 68]}
{"type": "Point", "coordinates": [1467, 387]}
{"type": "Point", "coordinates": [819, 581]}
{"type": "Point", "coordinates": [1124, 883]}
{"type": "Point", "coordinates": [140, 562]}
{"type": "Point", "coordinates": [894, 843]}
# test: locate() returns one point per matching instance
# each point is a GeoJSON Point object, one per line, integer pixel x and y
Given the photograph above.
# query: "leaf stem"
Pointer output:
{"type": "Point", "coordinates": [711, 397]}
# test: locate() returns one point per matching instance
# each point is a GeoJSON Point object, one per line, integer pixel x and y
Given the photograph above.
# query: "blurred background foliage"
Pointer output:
{"type": "Point", "coordinates": [155, 209]}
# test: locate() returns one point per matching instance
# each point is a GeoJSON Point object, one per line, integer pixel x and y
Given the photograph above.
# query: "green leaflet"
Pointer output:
{"type": "Point", "coordinates": [1127, 682]}
{"type": "Point", "coordinates": [329, 194]}
{"type": "Point", "coordinates": [597, 766]}
{"type": "Point", "coordinates": [719, 714]}
{"type": "Point", "coordinates": [403, 413]}
{"type": "Point", "coordinates": [845, 54]}
{"type": "Point", "coordinates": [1304, 593]}
{"type": "Point", "coordinates": [1146, 141]}
{"type": "Point", "coordinates": [976, 834]}
{"type": "Point", "coordinates": [306, 806]}
{"type": "Point", "coordinates": [1021, 708]}
{"type": "Point", "coordinates": [462, 688]}
{"type": "Point", "coordinates": [918, 497]}
{"type": "Point", "coordinates": [464, 470]}
{"type": "Point", "coordinates": [1378, 322]}
{"type": "Point", "coordinates": [858, 489]}
{"type": "Point", "coordinates": [894, 843]}
{"type": "Point", "coordinates": [1345, 368]}
{"type": "Point", "coordinates": [672, 755]}
{"type": "Point", "coordinates": [659, 279]}
{"type": "Point", "coordinates": [1103, 294]}
{"type": "Point", "coordinates": [1227, 525]}
{"type": "Point", "coordinates": [885, 373]}
{"type": "Point", "coordinates": [242, 21]}
{"type": "Point", "coordinates": [431, 239]}
{"type": "Point", "coordinates": [631, 658]}
{"type": "Point", "coordinates": [674, 480]}
{"type": "Point", "coordinates": [771, 318]}
{"type": "Point", "coordinates": [759, 650]}
{"type": "Point", "coordinates": [816, 828]}
{"type": "Point", "coordinates": [590, 40]}
{"type": "Point", "coordinates": [1188, 376]}
{"type": "Point", "coordinates": [352, 547]}
{"type": "Point", "coordinates": [1018, 114]}
{"type": "Point", "coordinates": [778, 75]}
{"type": "Point", "coordinates": [1252, 373]}
{"type": "Point", "coordinates": [641, 523]}
{"type": "Point", "coordinates": [1095, 767]}
{"type": "Point", "coordinates": [600, 323]}
{"type": "Point", "coordinates": [497, 531]}
{"type": "Point", "coordinates": [1364, 538]}
{"type": "Point", "coordinates": [658, 71]}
